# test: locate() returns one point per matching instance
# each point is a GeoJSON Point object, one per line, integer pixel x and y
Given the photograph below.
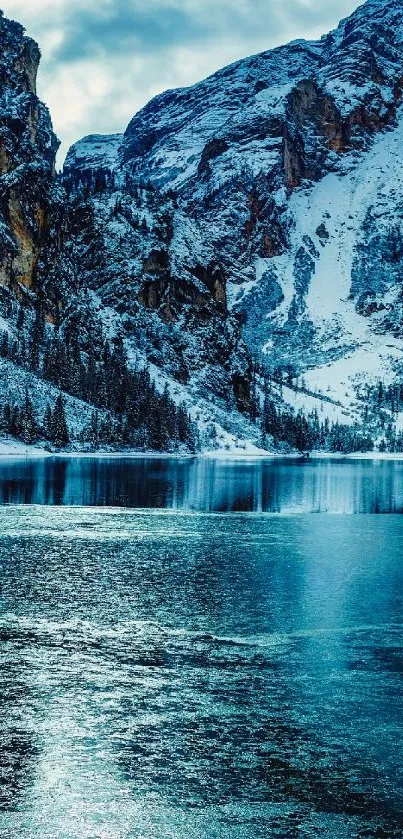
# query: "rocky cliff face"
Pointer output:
{"type": "Point", "coordinates": [27, 158]}
{"type": "Point", "coordinates": [262, 205]}
{"type": "Point", "coordinates": [112, 257]}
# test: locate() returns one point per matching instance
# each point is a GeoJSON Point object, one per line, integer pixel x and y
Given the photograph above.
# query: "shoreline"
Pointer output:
{"type": "Point", "coordinates": [15, 449]}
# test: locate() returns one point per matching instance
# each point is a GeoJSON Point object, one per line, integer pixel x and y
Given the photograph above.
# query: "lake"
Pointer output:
{"type": "Point", "coordinates": [186, 650]}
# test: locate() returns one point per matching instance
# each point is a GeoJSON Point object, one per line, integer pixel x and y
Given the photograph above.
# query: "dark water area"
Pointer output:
{"type": "Point", "coordinates": [277, 486]}
{"type": "Point", "coordinates": [179, 672]}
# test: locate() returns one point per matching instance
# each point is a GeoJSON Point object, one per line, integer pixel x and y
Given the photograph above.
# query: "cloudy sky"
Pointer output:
{"type": "Point", "coordinates": [103, 59]}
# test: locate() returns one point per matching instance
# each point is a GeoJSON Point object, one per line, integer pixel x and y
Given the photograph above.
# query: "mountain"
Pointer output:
{"type": "Point", "coordinates": [284, 176]}
{"type": "Point", "coordinates": [252, 220]}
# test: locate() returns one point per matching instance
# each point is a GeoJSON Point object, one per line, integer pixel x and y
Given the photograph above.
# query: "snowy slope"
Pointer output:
{"type": "Point", "coordinates": [16, 383]}
{"type": "Point", "coordinates": [329, 223]}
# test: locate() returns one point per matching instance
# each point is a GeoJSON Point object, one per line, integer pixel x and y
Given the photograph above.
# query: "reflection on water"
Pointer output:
{"type": "Point", "coordinates": [340, 486]}
{"type": "Point", "coordinates": [166, 675]}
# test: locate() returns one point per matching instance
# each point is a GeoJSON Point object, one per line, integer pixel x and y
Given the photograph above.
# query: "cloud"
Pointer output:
{"type": "Point", "coordinates": [104, 59]}
{"type": "Point", "coordinates": [129, 27]}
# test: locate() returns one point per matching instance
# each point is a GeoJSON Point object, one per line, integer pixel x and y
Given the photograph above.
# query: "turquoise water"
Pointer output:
{"type": "Point", "coordinates": [203, 485]}
{"type": "Point", "coordinates": [175, 673]}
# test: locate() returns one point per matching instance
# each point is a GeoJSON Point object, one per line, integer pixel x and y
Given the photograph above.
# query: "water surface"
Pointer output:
{"type": "Point", "coordinates": [175, 673]}
{"type": "Point", "coordinates": [288, 486]}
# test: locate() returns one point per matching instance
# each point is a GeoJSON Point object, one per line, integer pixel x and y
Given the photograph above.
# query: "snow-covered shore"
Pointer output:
{"type": "Point", "coordinates": [14, 448]}
{"type": "Point", "coordinates": [237, 455]}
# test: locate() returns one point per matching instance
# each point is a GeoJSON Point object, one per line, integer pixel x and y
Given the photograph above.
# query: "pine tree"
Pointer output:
{"type": "Point", "coordinates": [20, 318]}
{"type": "Point", "coordinates": [60, 433]}
{"type": "Point", "coordinates": [47, 423]}
{"type": "Point", "coordinates": [27, 421]}
{"type": "Point", "coordinates": [15, 426]}
{"type": "Point", "coordinates": [4, 349]}
{"type": "Point", "coordinates": [94, 429]}
{"type": "Point", "coordinates": [7, 418]}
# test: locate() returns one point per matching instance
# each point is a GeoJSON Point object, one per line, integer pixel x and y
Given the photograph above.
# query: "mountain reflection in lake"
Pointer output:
{"type": "Point", "coordinates": [279, 486]}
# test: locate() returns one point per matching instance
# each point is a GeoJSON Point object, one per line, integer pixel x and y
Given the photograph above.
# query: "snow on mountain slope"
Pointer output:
{"type": "Point", "coordinates": [94, 151]}
{"type": "Point", "coordinates": [176, 136]}
{"type": "Point", "coordinates": [329, 222]}
{"type": "Point", "coordinates": [254, 113]}
{"type": "Point", "coordinates": [16, 383]}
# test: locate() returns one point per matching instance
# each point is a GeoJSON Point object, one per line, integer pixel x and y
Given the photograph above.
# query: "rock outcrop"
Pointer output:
{"type": "Point", "coordinates": [27, 162]}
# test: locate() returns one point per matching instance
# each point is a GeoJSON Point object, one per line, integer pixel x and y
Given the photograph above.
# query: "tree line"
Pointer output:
{"type": "Point", "coordinates": [129, 411]}
{"type": "Point", "coordinates": [307, 433]}
{"type": "Point", "coordinates": [128, 408]}
{"type": "Point", "coordinates": [23, 422]}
